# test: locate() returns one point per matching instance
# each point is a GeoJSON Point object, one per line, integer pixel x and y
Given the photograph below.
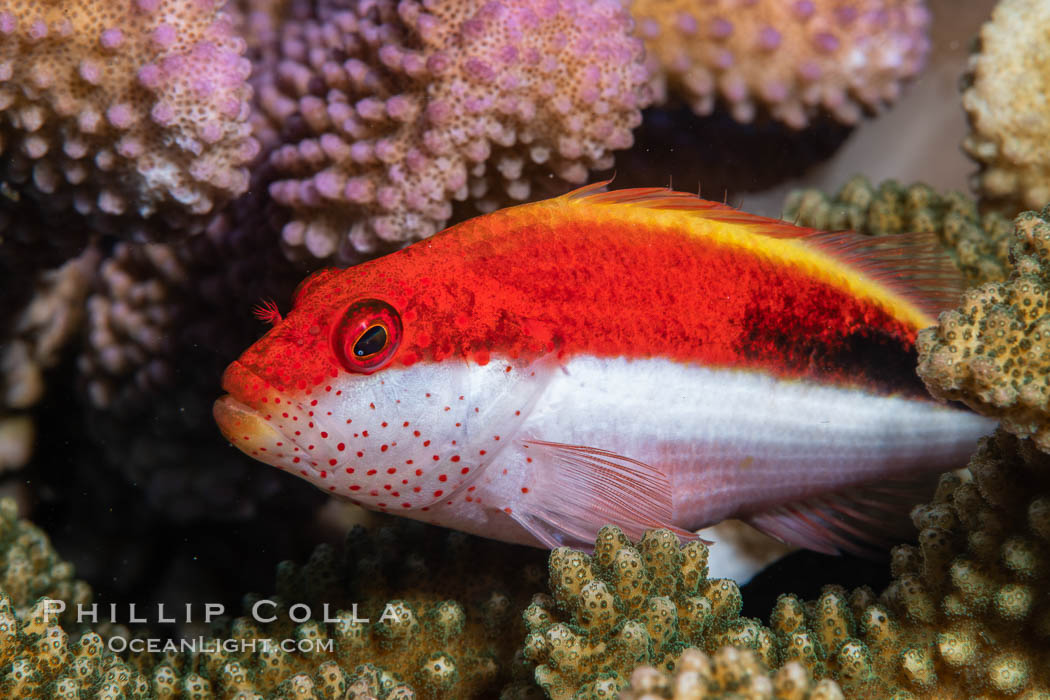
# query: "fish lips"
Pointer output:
{"type": "Point", "coordinates": [246, 427]}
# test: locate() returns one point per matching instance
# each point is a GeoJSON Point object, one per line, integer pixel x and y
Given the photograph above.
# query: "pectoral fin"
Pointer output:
{"type": "Point", "coordinates": [577, 489]}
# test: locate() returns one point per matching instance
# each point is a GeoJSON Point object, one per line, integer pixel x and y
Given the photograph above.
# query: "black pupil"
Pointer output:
{"type": "Point", "coordinates": [371, 341]}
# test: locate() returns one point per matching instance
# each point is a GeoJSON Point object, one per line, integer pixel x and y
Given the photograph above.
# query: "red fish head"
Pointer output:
{"type": "Point", "coordinates": [365, 389]}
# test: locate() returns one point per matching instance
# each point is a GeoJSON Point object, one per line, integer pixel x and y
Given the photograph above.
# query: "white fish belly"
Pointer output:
{"type": "Point", "coordinates": [735, 442]}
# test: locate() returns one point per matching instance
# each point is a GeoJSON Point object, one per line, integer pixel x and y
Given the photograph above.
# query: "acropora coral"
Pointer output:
{"type": "Point", "coordinates": [1004, 97]}
{"type": "Point", "coordinates": [729, 674]}
{"type": "Point", "coordinates": [388, 112]}
{"type": "Point", "coordinates": [36, 335]}
{"type": "Point", "coordinates": [992, 351]}
{"type": "Point", "coordinates": [787, 59]}
{"type": "Point", "coordinates": [129, 110]}
{"type": "Point", "coordinates": [627, 606]}
{"type": "Point", "coordinates": [979, 243]}
{"type": "Point", "coordinates": [449, 630]}
{"type": "Point", "coordinates": [965, 615]}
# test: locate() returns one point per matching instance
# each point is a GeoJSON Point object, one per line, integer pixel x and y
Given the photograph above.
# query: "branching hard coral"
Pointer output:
{"type": "Point", "coordinates": [627, 606]}
{"type": "Point", "coordinates": [993, 351]}
{"type": "Point", "coordinates": [978, 243]}
{"type": "Point", "coordinates": [124, 111]}
{"type": "Point", "coordinates": [419, 643]}
{"type": "Point", "coordinates": [1004, 96]}
{"type": "Point", "coordinates": [966, 614]}
{"type": "Point", "coordinates": [790, 59]}
{"type": "Point", "coordinates": [730, 674]}
{"type": "Point", "coordinates": [30, 568]}
{"type": "Point", "coordinates": [390, 111]}
{"type": "Point", "coordinates": [440, 622]}
{"type": "Point", "coordinates": [415, 616]}
{"type": "Point", "coordinates": [129, 321]}
{"type": "Point", "coordinates": [37, 334]}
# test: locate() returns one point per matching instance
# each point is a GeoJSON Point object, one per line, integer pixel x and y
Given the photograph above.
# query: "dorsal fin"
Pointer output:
{"type": "Point", "coordinates": [915, 266]}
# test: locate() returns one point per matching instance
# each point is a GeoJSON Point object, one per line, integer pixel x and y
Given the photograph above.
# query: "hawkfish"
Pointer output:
{"type": "Point", "coordinates": [638, 357]}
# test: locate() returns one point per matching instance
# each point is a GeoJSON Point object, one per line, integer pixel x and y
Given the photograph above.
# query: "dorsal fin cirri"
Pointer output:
{"type": "Point", "coordinates": [916, 266]}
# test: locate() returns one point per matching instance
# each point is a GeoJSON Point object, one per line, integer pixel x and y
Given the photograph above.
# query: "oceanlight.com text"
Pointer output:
{"type": "Point", "coordinates": [206, 645]}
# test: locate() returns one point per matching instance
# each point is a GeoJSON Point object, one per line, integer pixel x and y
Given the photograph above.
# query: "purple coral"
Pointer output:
{"type": "Point", "coordinates": [392, 110]}
{"type": "Point", "coordinates": [124, 111]}
{"type": "Point", "coordinates": [790, 58]}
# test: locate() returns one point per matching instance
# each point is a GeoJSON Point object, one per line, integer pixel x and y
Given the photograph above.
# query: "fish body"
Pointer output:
{"type": "Point", "coordinates": [640, 357]}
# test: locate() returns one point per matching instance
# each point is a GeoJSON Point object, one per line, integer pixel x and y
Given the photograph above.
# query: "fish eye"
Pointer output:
{"type": "Point", "coordinates": [367, 335]}
{"type": "Point", "coordinates": [371, 341]}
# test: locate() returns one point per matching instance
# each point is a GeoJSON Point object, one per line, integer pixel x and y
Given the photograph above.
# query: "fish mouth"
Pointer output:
{"type": "Point", "coordinates": [250, 432]}
{"type": "Point", "coordinates": [246, 428]}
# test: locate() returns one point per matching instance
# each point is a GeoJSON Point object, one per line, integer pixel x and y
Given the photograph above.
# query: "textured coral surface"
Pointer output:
{"type": "Point", "coordinates": [731, 673]}
{"type": "Point", "coordinates": [390, 111]}
{"type": "Point", "coordinates": [124, 109]}
{"type": "Point", "coordinates": [979, 243]}
{"type": "Point", "coordinates": [411, 615]}
{"type": "Point", "coordinates": [993, 351]}
{"type": "Point", "coordinates": [791, 59]}
{"type": "Point", "coordinates": [627, 606]}
{"type": "Point", "coordinates": [1005, 98]}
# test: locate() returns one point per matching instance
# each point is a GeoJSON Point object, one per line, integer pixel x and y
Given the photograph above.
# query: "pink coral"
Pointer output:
{"type": "Point", "coordinates": [391, 110]}
{"type": "Point", "coordinates": [789, 57]}
{"type": "Point", "coordinates": [124, 109]}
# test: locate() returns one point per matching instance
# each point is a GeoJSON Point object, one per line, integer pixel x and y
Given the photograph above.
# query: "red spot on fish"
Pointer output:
{"type": "Point", "coordinates": [324, 474]}
{"type": "Point", "coordinates": [426, 443]}
{"type": "Point", "coordinates": [391, 470]}
{"type": "Point", "coordinates": [436, 458]}
{"type": "Point", "coordinates": [370, 472]}
{"type": "Point", "coordinates": [383, 448]}
{"type": "Point", "coordinates": [417, 489]}
{"type": "Point", "coordinates": [323, 434]}
{"type": "Point", "coordinates": [355, 487]}
{"type": "Point", "coordinates": [442, 477]}
{"type": "Point", "coordinates": [365, 433]}
{"type": "Point", "coordinates": [314, 402]}
{"type": "Point", "coordinates": [524, 489]}
{"type": "Point", "coordinates": [438, 493]}
{"type": "Point", "coordinates": [295, 460]}
{"type": "Point", "coordinates": [419, 472]}
{"type": "Point", "coordinates": [508, 511]}
{"type": "Point", "coordinates": [454, 458]}
{"type": "Point", "coordinates": [406, 505]}
{"type": "Point", "coordinates": [481, 452]}
{"type": "Point", "coordinates": [464, 470]}
{"type": "Point", "coordinates": [341, 446]}
{"type": "Point", "coordinates": [415, 433]}
{"type": "Point", "coordinates": [372, 406]}
{"type": "Point", "coordinates": [333, 462]}
{"type": "Point", "coordinates": [405, 425]}
{"type": "Point", "coordinates": [383, 424]}
{"type": "Point", "coordinates": [360, 454]}
{"type": "Point", "coordinates": [349, 470]}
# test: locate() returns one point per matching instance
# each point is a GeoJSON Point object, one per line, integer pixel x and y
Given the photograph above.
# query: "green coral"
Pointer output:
{"type": "Point", "coordinates": [30, 568]}
{"type": "Point", "coordinates": [730, 674]}
{"type": "Point", "coordinates": [429, 622]}
{"type": "Point", "coordinates": [978, 243]}
{"type": "Point", "coordinates": [966, 614]}
{"type": "Point", "coordinates": [993, 351]}
{"type": "Point", "coordinates": [627, 606]}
